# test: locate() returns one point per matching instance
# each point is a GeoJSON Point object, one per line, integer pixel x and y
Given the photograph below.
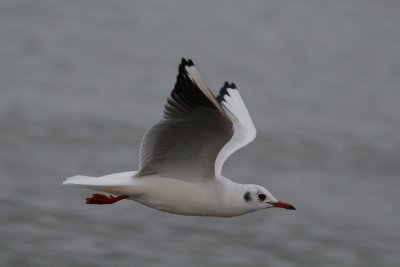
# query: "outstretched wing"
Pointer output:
{"type": "Point", "coordinates": [193, 130]}
{"type": "Point", "coordinates": [244, 130]}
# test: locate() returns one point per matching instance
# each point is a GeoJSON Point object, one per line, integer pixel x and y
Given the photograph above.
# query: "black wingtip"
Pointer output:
{"type": "Point", "coordinates": [224, 91]}
{"type": "Point", "coordinates": [187, 62]}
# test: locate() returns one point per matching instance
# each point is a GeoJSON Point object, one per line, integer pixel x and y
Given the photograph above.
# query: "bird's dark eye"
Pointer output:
{"type": "Point", "coordinates": [261, 196]}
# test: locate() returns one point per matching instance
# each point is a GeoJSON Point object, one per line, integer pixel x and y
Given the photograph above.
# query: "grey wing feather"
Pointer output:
{"type": "Point", "coordinates": [194, 128]}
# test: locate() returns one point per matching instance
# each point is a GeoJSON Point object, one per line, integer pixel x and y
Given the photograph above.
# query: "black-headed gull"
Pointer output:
{"type": "Point", "coordinates": [181, 157]}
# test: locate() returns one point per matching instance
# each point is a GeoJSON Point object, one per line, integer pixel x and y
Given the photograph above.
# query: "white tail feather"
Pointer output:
{"type": "Point", "coordinates": [116, 179]}
{"type": "Point", "coordinates": [80, 180]}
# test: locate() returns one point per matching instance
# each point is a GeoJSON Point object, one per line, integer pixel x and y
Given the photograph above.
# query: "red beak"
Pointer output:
{"type": "Point", "coordinates": [281, 204]}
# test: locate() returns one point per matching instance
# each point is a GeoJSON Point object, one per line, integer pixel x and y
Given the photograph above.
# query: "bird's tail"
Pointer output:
{"type": "Point", "coordinates": [81, 180]}
{"type": "Point", "coordinates": [113, 184]}
{"type": "Point", "coordinates": [94, 183]}
{"type": "Point", "coordinates": [116, 183]}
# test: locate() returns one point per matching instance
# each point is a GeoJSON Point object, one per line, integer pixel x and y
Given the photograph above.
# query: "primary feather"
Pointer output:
{"type": "Point", "coordinates": [198, 131]}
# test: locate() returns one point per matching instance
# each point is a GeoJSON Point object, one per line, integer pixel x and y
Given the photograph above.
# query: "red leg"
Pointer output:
{"type": "Point", "coordinates": [101, 199]}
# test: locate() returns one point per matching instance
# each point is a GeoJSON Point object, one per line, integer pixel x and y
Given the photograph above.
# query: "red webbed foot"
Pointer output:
{"type": "Point", "coordinates": [101, 199]}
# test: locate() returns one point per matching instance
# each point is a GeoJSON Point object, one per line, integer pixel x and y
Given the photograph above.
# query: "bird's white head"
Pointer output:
{"type": "Point", "coordinates": [256, 197]}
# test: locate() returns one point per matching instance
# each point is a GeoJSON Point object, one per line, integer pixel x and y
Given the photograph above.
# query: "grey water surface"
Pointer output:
{"type": "Point", "coordinates": [80, 81]}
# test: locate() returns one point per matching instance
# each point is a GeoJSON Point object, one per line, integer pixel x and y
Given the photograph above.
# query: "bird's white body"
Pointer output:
{"type": "Point", "coordinates": [205, 197]}
{"type": "Point", "coordinates": [181, 157]}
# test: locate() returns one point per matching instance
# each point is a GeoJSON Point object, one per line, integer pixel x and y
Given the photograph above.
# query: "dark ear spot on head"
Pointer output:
{"type": "Point", "coordinates": [247, 196]}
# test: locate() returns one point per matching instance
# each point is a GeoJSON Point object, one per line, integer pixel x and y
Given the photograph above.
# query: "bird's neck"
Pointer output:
{"type": "Point", "coordinates": [232, 197]}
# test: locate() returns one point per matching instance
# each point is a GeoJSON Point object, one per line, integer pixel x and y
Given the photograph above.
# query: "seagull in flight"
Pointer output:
{"type": "Point", "coordinates": [181, 157]}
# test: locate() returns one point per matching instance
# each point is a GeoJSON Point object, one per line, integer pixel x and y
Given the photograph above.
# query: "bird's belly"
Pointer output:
{"type": "Point", "coordinates": [179, 206]}
{"type": "Point", "coordinates": [179, 197]}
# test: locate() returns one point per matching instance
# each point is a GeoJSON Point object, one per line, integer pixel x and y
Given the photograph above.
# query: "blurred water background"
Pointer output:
{"type": "Point", "coordinates": [80, 81]}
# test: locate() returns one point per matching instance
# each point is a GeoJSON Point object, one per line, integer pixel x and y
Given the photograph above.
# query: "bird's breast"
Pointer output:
{"type": "Point", "coordinates": [179, 196]}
